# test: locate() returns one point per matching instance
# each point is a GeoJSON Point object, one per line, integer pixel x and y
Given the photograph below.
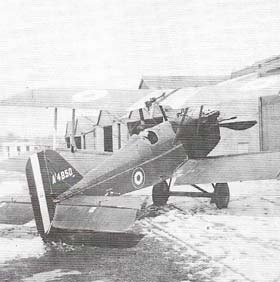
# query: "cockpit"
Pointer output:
{"type": "Point", "coordinates": [149, 135]}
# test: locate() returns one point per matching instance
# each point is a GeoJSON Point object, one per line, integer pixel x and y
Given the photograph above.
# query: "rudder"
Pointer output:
{"type": "Point", "coordinates": [48, 175]}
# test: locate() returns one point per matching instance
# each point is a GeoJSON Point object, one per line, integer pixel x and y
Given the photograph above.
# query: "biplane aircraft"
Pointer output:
{"type": "Point", "coordinates": [65, 201]}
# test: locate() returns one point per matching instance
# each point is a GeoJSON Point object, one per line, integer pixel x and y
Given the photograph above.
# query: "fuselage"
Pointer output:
{"type": "Point", "coordinates": [151, 156]}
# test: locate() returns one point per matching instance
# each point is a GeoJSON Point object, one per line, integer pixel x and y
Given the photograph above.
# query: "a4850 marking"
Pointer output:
{"type": "Point", "coordinates": [60, 176]}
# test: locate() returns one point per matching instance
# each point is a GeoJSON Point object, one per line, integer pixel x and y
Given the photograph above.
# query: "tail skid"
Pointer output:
{"type": "Point", "coordinates": [48, 175]}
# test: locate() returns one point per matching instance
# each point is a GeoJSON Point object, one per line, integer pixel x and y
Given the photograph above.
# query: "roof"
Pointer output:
{"type": "Point", "coordinates": [16, 143]}
{"type": "Point", "coordinates": [41, 141]}
{"type": "Point", "coordinates": [107, 118]}
{"type": "Point", "coordinates": [84, 124]}
{"type": "Point", "coordinates": [263, 67]}
{"type": "Point", "coordinates": [173, 82]}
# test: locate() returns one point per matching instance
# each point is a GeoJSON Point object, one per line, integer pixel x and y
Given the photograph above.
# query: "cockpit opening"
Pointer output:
{"type": "Point", "coordinates": [151, 136]}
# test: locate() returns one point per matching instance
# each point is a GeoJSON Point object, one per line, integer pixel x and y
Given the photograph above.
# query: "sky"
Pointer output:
{"type": "Point", "coordinates": [111, 44]}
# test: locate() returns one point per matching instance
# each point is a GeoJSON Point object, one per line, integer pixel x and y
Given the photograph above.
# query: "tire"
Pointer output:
{"type": "Point", "coordinates": [221, 195]}
{"type": "Point", "coordinates": [160, 193]}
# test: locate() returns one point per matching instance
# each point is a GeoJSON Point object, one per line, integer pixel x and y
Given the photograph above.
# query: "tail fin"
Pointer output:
{"type": "Point", "coordinates": [48, 175]}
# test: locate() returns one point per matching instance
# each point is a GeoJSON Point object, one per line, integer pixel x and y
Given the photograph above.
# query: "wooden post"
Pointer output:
{"type": "Point", "coordinates": [73, 144]}
{"type": "Point", "coordinates": [54, 128]}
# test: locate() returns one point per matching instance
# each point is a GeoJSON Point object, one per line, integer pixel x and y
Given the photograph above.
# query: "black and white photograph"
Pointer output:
{"type": "Point", "coordinates": [139, 141]}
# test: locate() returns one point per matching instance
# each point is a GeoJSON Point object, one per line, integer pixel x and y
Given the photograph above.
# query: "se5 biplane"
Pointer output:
{"type": "Point", "coordinates": [177, 147]}
{"type": "Point", "coordinates": [65, 200]}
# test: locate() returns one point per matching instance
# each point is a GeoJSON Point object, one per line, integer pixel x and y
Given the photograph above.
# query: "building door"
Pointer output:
{"type": "Point", "coordinates": [119, 136]}
{"type": "Point", "coordinates": [269, 123]}
{"type": "Point", "coordinates": [108, 138]}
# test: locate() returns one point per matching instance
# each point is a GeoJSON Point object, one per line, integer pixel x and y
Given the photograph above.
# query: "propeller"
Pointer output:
{"type": "Point", "coordinates": [210, 117]}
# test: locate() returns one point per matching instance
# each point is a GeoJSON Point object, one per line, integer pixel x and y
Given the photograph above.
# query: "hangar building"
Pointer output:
{"type": "Point", "coordinates": [109, 131]}
{"type": "Point", "coordinates": [103, 133]}
{"type": "Point", "coordinates": [250, 94]}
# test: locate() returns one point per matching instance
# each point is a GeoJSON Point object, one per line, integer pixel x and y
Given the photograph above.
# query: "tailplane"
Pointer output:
{"type": "Point", "coordinates": [48, 175]}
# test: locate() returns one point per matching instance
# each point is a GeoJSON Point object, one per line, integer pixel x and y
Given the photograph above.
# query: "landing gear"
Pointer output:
{"type": "Point", "coordinates": [221, 195]}
{"type": "Point", "coordinates": [160, 193]}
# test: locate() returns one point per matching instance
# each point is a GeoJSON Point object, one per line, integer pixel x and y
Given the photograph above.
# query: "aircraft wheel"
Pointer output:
{"type": "Point", "coordinates": [221, 195]}
{"type": "Point", "coordinates": [160, 193]}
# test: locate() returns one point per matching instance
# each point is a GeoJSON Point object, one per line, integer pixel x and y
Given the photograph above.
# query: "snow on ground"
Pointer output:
{"type": "Point", "coordinates": [16, 242]}
{"type": "Point", "coordinates": [12, 183]}
{"type": "Point", "coordinates": [241, 243]}
{"type": "Point", "coordinates": [50, 275]}
{"type": "Point", "coordinates": [18, 248]}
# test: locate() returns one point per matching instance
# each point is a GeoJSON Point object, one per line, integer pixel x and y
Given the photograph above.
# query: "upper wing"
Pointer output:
{"type": "Point", "coordinates": [230, 168]}
{"type": "Point", "coordinates": [98, 213]}
{"type": "Point", "coordinates": [111, 100]}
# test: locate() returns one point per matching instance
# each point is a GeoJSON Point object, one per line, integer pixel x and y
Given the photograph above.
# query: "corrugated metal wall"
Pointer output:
{"type": "Point", "coordinates": [270, 123]}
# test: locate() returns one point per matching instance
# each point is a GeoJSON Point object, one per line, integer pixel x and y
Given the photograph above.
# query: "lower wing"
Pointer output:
{"type": "Point", "coordinates": [15, 210]}
{"type": "Point", "coordinates": [230, 168]}
{"type": "Point", "coordinates": [112, 214]}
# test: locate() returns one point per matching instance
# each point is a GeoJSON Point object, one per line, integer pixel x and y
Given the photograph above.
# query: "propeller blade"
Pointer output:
{"type": "Point", "coordinates": [239, 125]}
{"type": "Point", "coordinates": [224, 119]}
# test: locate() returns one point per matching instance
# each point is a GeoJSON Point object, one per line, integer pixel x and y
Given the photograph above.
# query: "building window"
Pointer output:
{"type": "Point", "coordinates": [27, 148]}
